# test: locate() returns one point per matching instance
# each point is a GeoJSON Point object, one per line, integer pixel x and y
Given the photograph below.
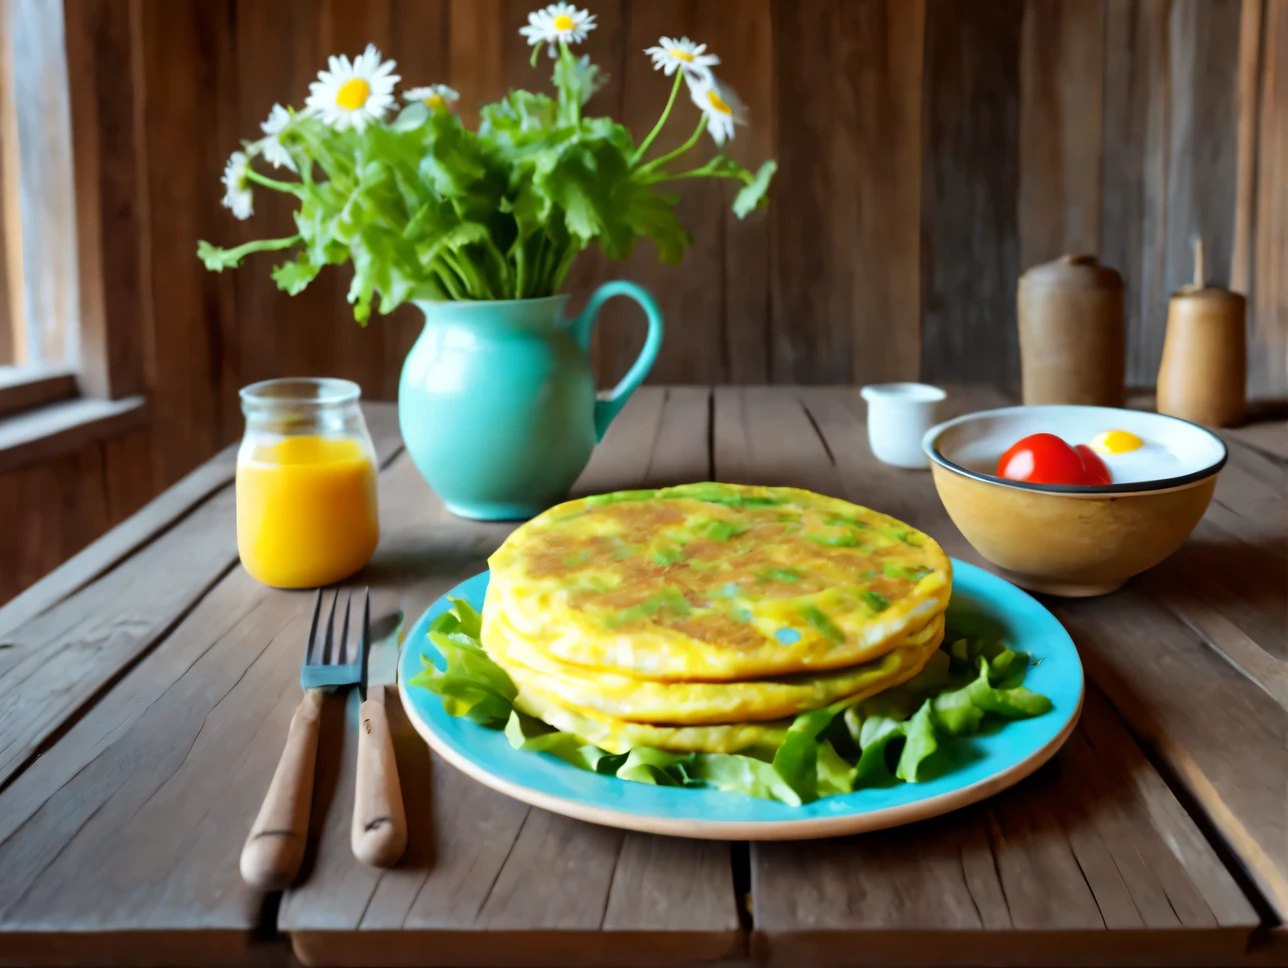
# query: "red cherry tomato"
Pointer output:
{"type": "Point", "coordinates": [1094, 469]}
{"type": "Point", "coordinates": [1042, 459]}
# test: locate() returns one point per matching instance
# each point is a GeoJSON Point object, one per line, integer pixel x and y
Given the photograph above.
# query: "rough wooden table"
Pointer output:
{"type": "Point", "coordinates": [146, 685]}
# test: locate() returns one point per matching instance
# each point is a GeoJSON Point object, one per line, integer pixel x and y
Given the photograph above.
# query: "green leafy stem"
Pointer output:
{"type": "Point", "coordinates": [905, 734]}
{"type": "Point", "coordinates": [426, 209]}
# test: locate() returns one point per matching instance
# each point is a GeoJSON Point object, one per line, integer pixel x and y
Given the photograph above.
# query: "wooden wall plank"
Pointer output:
{"type": "Point", "coordinates": [748, 42]}
{"type": "Point", "coordinates": [1268, 363]}
{"type": "Point", "coordinates": [104, 63]}
{"type": "Point", "coordinates": [1250, 35]}
{"type": "Point", "coordinates": [970, 255]}
{"type": "Point", "coordinates": [52, 510]}
{"type": "Point", "coordinates": [691, 297]}
{"type": "Point", "coordinates": [847, 289]}
{"type": "Point", "coordinates": [279, 51]}
{"type": "Point", "coordinates": [1061, 128]}
{"type": "Point", "coordinates": [1203, 140]}
{"type": "Point", "coordinates": [910, 186]}
{"type": "Point", "coordinates": [1133, 223]}
{"type": "Point", "coordinates": [188, 85]}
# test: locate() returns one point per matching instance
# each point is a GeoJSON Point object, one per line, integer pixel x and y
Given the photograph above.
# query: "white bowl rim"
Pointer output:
{"type": "Point", "coordinates": [929, 443]}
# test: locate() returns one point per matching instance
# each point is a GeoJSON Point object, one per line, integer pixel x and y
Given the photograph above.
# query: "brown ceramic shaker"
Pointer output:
{"type": "Point", "coordinates": [1202, 377]}
{"type": "Point", "coordinates": [1071, 333]}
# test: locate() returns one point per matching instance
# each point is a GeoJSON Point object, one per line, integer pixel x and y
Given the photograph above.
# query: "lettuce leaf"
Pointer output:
{"type": "Point", "coordinates": [893, 737]}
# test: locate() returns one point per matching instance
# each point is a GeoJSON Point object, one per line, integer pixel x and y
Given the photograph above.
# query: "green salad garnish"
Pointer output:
{"type": "Point", "coordinates": [904, 734]}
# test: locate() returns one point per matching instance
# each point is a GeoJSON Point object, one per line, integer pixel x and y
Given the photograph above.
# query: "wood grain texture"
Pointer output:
{"type": "Point", "coordinates": [64, 507]}
{"type": "Point", "coordinates": [1133, 225]}
{"type": "Point", "coordinates": [58, 661]}
{"type": "Point", "coordinates": [1235, 766]}
{"type": "Point", "coordinates": [848, 263]}
{"type": "Point", "coordinates": [105, 75]}
{"type": "Point", "coordinates": [128, 826]}
{"type": "Point", "coordinates": [45, 433]}
{"type": "Point", "coordinates": [1093, 850]}
{"type": "Point", "coordinates": [928, 153]}
{"type": "Point", "coordinates": [1061, 128]}
{"type": "Point", "coordinates": [188, 84]}
{"type": "Point", "coordinates": [1249, 94]}
{"type": "Point", "coordinates": [1203, 140]}
{"type": "Point", "coordinates": [691, 297]}
{"type": "Point", "coordinates": [116, 545]}
{"type": "Point", "coordinates": [1268, 363]}
{"type": "Point", "coordinates": [747, 242]}
{"type": "Point", "coordinates": [544, 888]}
{"type": "Point", "coordinates": [970, 256]}
{"type": "Point", "coordinates": [22, 389]}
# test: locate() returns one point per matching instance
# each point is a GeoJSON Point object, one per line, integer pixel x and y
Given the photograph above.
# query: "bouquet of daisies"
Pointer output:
{"type": "Point", "coordinates": [425, 208]}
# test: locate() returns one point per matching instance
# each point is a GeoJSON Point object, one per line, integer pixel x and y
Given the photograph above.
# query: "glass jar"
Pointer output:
{"type": "Point", "coordinates": [306, 483]}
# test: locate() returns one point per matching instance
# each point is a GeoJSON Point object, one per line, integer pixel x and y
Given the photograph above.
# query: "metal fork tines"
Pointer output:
{"type": "Point", "coordinates": [332, 659]}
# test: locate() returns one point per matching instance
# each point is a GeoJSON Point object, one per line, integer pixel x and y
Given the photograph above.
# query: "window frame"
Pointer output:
{"type": "Point", "coordinates": [109, 322]}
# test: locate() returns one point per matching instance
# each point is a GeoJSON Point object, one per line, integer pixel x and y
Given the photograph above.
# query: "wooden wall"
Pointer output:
{"type": "Point", "coordinates": [929, 151]}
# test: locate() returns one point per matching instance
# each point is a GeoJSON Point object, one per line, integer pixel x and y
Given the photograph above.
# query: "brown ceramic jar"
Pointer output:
{"type": "Point", "coordinates": [1203, 373]}
{"type": "Point", "coordinates": [1071, 333]}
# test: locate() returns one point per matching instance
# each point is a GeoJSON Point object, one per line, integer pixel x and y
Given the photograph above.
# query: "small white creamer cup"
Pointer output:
{"type": "Point", "coordinates": [899, 414]}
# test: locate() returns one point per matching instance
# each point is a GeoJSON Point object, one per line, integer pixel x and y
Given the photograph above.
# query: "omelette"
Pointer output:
{"type": "Point", "coordinates": [713, 583]}
{"type": "Point", "coordinates": [700, 703]}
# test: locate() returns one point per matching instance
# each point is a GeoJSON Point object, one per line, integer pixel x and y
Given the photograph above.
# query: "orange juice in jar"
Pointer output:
{"type": "Point", "coordinates": [306, 483]}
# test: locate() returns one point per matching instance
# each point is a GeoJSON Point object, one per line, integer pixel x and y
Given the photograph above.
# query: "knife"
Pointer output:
{"type": "Point", "coordinates": [379, 832]}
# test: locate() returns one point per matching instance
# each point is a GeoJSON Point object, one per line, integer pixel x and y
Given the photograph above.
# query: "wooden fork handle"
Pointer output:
{"type": "Point", "coordinates": [379, 834]}
{"type": "Point", "coordinates": [273, 851]}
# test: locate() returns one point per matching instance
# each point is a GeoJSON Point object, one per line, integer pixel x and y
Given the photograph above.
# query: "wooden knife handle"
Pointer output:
{"type": "Point", "coordinates": [273, 851]}
{"type": "Point", "coordinates": [379, 834]}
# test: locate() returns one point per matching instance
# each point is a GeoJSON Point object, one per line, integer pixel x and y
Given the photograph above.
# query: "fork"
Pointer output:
{"type": "Point", "coordinates": [274, 849]}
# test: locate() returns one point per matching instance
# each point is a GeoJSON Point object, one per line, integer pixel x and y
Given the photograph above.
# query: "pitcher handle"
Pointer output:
{"type": "Point", "coordinates": [610, 404]}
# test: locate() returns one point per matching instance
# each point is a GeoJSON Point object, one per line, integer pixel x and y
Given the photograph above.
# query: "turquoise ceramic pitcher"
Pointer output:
{"type": "Point", "coordinates": [497, 400]}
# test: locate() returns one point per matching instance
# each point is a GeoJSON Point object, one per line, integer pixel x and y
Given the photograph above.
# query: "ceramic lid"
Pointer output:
{"type": "Point", "coordinates": [1073, 272]}
{"type": "Point", "coordinates": [1210, 294]}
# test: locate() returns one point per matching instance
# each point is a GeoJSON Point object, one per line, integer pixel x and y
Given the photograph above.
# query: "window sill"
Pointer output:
{"type": "Point", "coordinates": [24, 388]}
{"type": "Point", "coordinates": [47, 432]}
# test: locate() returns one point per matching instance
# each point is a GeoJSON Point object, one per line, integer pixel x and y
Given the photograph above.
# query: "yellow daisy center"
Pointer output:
{"type": "Point", "coordinates": [353, 94]}
{"type": "Point", "coordinates": [434, 101]}
{"type": "Point", "coordinates": [682, 55]}
{"type": "Point", "coordinates": [718, 104]}
{"type": "Point", "coordinates": [564, 22]}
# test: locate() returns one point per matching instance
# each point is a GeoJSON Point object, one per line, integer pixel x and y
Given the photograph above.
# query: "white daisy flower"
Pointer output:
{"type": "Point", "coordinates": [721, 105]}
{"type": "Point", "coordinates": [238, 197]}
{"type": "Point", "coordinates": [353, 94]}
{"type": "Point", "coordinates": [683, 54]}
{"type": "Point", "coordinates": [558, 22]}
{"type": "Point", "coordinates": [271, 146]}
{"type": "Point", "coordinates": [434, 96]}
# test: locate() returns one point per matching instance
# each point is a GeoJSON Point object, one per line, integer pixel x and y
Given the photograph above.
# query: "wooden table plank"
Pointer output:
{"type": "Point", "coordinates": [539, 888]}
{"type": "Point", "coordinates": [1093, 852]}
{"type": "Point", "coordinates": [120, 841]}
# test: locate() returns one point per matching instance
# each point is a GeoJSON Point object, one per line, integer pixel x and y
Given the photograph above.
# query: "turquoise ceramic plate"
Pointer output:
{"type": "Point", "coordinates": [988, 763]}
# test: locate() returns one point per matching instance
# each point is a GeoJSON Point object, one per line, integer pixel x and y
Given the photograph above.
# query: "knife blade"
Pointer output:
{"type": "Point", "coordinates": [384, 640]}
{"type": "Point", "coordinates": [378, 836]}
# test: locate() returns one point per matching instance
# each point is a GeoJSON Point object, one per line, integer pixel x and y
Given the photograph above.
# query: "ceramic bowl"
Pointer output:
{"type": "Point", "coordinates": [1075, 541]}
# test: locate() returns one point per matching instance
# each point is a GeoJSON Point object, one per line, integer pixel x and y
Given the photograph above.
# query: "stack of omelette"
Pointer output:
{"type": "Point", "coordinates": [703, 618]}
